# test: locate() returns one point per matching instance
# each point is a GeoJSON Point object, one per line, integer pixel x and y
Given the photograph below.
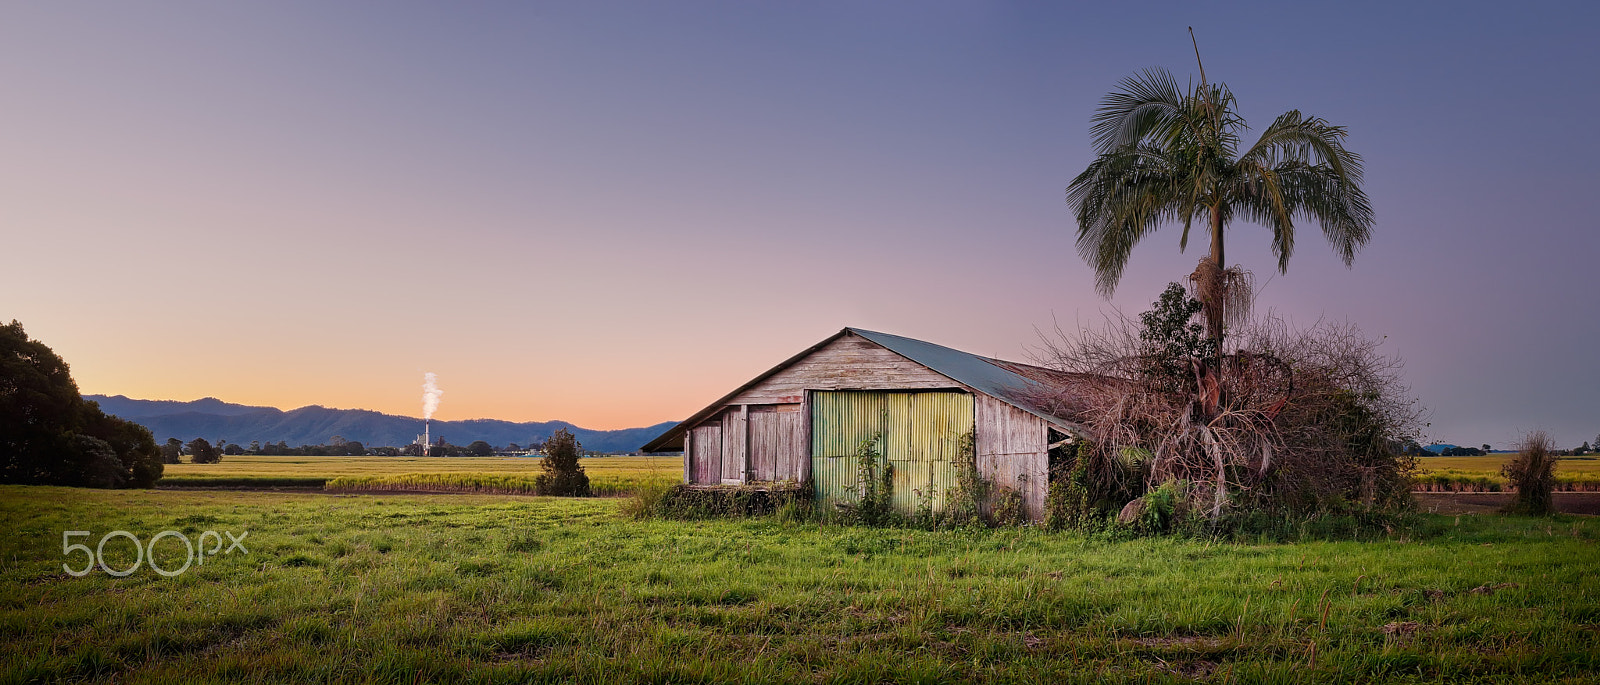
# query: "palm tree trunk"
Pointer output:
{"type": "Point", "coordinates": [1213, 297]}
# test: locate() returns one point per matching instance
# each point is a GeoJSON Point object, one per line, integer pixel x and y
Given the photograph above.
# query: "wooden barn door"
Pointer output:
{"type": "Point", "coordinates": [705, 441]}
{"type": "Point", "coordinates": [775, 441]}
{"type": "Point", "coordinates": [919, 437]}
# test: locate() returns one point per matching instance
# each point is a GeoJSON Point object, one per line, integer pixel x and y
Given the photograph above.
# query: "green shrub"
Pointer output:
{"type": "Point", "coordinates": [563, 475]}
{"type": "Point", "coordinates": [874, 485]}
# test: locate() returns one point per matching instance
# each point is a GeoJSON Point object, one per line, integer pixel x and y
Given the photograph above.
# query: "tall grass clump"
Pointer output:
{"type": "Point", "coordinates": [1532, 474]}
{"type": "Point", "coordinates": [790, 500]}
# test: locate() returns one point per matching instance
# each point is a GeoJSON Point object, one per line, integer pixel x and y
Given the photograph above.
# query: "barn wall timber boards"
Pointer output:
{"type": "Point", "coordinates": [803, 419]}
{"type": "Point", "coordinates": [776, 444]}
{"type": "Point", "coordinates": [1013, 451]}
{"type": "Point", "coordinates": [705, 453]}
{"type": "Point", "coordinates": [849, 363]}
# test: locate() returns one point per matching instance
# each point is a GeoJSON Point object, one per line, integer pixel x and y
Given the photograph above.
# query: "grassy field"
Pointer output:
{"type": "Point", "coordinates": [609, 475]}
{"type": "Point", "coordinates": [622, 475]}
{"type": "Point", "coordinates": [1491, 463]}
{"type": "Point", "coordinates": [1482, 474]}
{"type": "Point", "coordinates": [471, 588]}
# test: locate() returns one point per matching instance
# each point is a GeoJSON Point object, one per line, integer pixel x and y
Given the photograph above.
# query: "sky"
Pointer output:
{"type": "Point", "coordinates": [612, 214]}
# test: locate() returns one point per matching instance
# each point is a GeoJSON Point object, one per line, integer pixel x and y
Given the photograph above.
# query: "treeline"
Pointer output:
{"type": "Point", "coordinates": [50, 435]}
{"type": "Point", "coordinates": [202, 451]}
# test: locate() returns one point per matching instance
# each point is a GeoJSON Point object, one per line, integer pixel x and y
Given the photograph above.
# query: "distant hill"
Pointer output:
{"type": "Point", "coordinates": [213, 419]}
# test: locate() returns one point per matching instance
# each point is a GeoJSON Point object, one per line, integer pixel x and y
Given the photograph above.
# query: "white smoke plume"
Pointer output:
{"type": "Point", "coordinates": [430, 394]}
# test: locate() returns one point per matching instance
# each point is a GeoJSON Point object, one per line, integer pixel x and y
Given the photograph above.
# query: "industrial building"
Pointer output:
{"type": "Point", "coordinates": [803, 420]}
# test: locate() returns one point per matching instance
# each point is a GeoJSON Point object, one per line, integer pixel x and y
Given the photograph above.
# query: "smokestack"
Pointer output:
{"type": "Point", "coordinates": [430, 404]}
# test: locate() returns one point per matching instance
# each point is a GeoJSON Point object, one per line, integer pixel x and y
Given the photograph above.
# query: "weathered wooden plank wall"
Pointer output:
{"type": "Point", "coordinates": [734, 440]}
{"type": "Point", "coordinates": [706, 442]}
{"type": "Point", "coordinates": [776, 446]}
{"type": "Point", "coordinates": [1012, 451]}
{"type": "Point", "coordinates": [849, 363]}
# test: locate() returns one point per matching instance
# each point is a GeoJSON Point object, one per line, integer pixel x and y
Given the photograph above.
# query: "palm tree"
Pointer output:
{"type": "Point", "coordinates": [1170, 155]}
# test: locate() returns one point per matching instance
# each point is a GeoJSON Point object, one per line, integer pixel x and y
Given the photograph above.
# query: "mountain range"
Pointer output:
{"type": "Point", "coordinates": [214, 419]}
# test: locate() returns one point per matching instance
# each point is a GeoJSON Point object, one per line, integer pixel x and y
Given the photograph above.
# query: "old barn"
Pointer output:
{"type": "Point", "coordinates": [803, 419]}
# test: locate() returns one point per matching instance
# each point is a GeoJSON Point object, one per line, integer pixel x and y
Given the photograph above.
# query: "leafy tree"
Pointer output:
{"type": "Point", "coordinates": [1171, 339]}
{"type": "Point", "coordinates": [562, 475]}
{"type": "Point", "coordinates": [1486, 448]}
{"type": "Point", "coordinates": [97, 464]}
{"type": "Point", "coordinates": [1583, 449]}
{"type": "Point", "coordinates": [50, 435]}
{"type": "Point", "coordinates": [1171, 155]}
{"type": "Point", "coordinates": [232, 449]}
{"type": "Point", "coordinates": [202, 452]}
{"type": "Point", "coordinates": [133, 444]}
{"type": "Point", "coordinates": [172, 451]}
{"type": "Point", "coordinates": [479, 448]}
{"type": "Point", "coordinates": [255, 447]}
{"type": "Point", "coordinates": [353, 448]}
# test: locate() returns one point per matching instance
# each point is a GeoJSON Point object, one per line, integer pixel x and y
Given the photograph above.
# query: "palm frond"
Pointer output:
{"type": "Point", "coordinates": [1123, 196]}
{"type": "Point", "coordinates": [1147, 107]}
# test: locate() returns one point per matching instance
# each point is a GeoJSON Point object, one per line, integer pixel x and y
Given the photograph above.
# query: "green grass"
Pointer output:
{"type": "Point", "coordinates": [476, 588]}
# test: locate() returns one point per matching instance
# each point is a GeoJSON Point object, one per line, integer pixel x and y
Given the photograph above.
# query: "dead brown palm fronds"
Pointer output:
{"type": "Point", "coordinates": [1284, 419]}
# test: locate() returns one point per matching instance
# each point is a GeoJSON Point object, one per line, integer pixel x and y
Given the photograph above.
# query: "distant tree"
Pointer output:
{"type": "Point", "coordinates": [1583, 449]}
{"type": "Point", "coordinates": [201, 452]}
{"type": "Point", "coordinates": [562, 475]}
{"type": "Point", "coordinates": [513, 447]}
{"type": "Point", "coordinates": [255, 447]}
{"type": "Point", "coordinates": [172, 451]}
{"type": "Point", "coordinates": [232, 449]}
{"type": "Point", "coordinates": [1487, 449]}
{"type": "Point", "coordinates": [479, 448]}
{"type": "Point", "coordinates": [50, 435]}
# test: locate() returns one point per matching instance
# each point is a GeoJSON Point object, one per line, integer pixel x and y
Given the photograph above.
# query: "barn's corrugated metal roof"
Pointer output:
{"type": "Point", "coordinates": [993, 377]}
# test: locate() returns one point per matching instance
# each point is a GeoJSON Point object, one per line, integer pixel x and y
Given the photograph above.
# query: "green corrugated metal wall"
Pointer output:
{"type": "Point", "coordinates": [920, 436]}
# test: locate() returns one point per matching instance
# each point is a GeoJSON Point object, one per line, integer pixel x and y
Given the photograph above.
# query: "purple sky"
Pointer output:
{"type": "Point", "coordinates": [611, 213]}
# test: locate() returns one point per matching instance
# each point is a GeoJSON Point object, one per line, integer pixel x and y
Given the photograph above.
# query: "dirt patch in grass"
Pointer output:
{"type": "Point", "coordinates": [1194, 642]}
{"type": "Point", "coordinates": [1581, 503]}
